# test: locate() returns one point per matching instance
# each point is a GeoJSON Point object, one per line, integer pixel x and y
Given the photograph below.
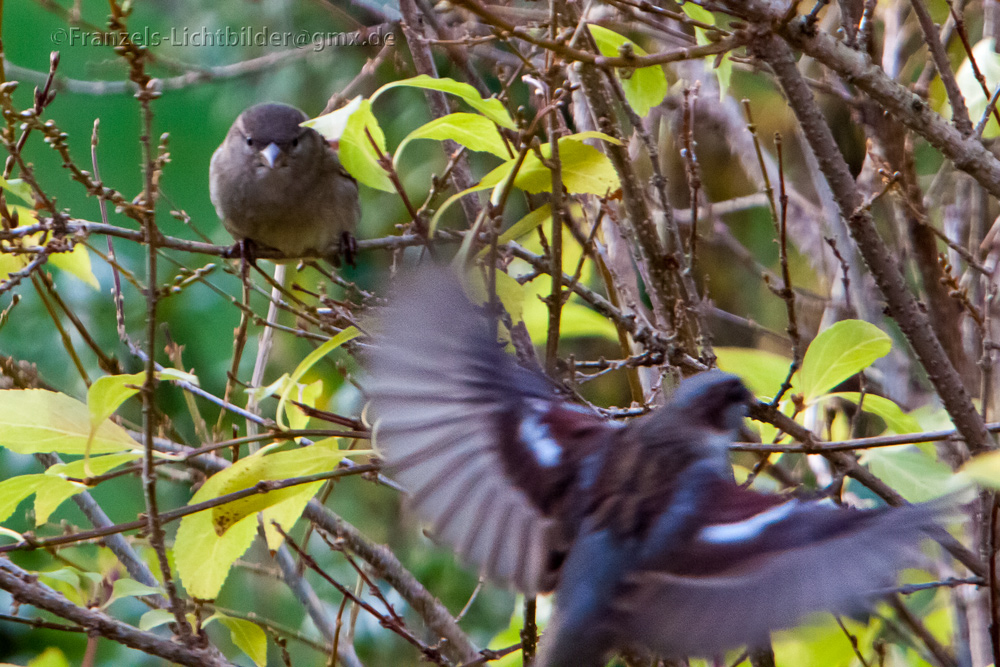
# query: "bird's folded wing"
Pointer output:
{"type": "Point", "coordinates": [477, 441]}
{"type": "Point", "coordinates": [759, 563]}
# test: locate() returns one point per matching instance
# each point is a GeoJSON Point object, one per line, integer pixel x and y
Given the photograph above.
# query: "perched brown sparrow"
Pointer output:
{"type": "Point", "coordinates": [279, 185]}
{"type": "Point", "coordinates": [639, 528]}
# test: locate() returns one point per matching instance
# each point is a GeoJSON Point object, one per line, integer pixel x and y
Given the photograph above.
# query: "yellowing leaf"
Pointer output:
{"type": "Point", "coordinates": [357, 153]}
{"type": "Point", "coordinates": [76, 262]}
{"type": "Point", "coordinates": [839, 352]}
{"type": "Point", "coordinates": [984, 470]}
{"type": "Point", "coordinates": [36, 420]}
{"type": "Point", "coordinates": [204, 556]}
{"type": "Point", "coordinates": [491, 108]}
{"type": "Point", "coordinates": [644, 87]}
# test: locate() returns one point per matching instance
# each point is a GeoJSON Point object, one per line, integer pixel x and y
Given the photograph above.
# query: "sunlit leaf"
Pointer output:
{"type": "Point", "coordinates": [491, 108]}
{"type": "Point", "coordinates": [50, 657]}
{"type": "Point", "coordinates": [350, 333]}
{"type": "Point", "coordinates": [839, 352]}
{"type": "Point", "coordinates": [357, 153]}
{"type": "Point", "coordinates": [644, 87]}
{"type": "Point", "coordinates": [585, 170]}
{"type": "Point", "coordinates": [107, 393]}
{"type": "Point", "coordinates": [37, 420]}
{"type": "Point", "coordinates": [475, 132]}
{"type": "Point", "coordinates": [762, 371]}
{"type": "Point", "coordinates": [895, 419]}
{"type": "Point", "coordinates": [203, 555]}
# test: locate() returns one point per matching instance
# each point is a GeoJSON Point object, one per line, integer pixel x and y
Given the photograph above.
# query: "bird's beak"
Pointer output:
{"type": "Point", "coordinates": [270, 154]}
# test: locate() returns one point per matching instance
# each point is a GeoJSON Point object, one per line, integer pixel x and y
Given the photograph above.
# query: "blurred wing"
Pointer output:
{"type": "Point", "coordinates": [482, 445]}
{"type": "Point", "coordinates": [761, 563]}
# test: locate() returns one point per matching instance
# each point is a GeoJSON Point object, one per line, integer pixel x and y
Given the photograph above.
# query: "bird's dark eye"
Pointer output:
{"type": "Point", "coordinates": [295, 142]}
{"type": "Point", "coordinates": [249, 141]}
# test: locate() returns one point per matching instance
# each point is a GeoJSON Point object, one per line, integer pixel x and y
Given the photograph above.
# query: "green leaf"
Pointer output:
{"type": "Point", "coordinates": [19, 188]}
{"type": "Point", "coordinates": [248, 636]}
{"type": "Point", "coordinates": [895, 419]}
{"type": "Point", "coordinates": [644, 87]}
{"type": "Point", "coordinates": [98, 465]}
{"type": "Point", "coordinates": [50, 493]}
{"type": "Point", "coordinates": [67, 581]}
{"type": "Point", "coordinates": [175, 374]}
{"type": "Point", "coordinates": [130, 588]}
{"type": "Point", "coordinates": [585, 170]}
{"type": "Point", "coordinates": [357, 153]}
{"type": "Point", "coordinates": [475, 132]}
{"type": "Point", "coordinates": [491, 108]}
{"type": "Point", "coordinates": [204, 556]}
{"type": "Point", "coordinates": [839, 352]}
{"type": "Point", "coordinates": [37, 421]}
{"type": "Point", "coordinates": [107, 393]}
{"type": "Point", "coordinates": [348, 334]}
{"type": "Point", "coordinates": [155, 618]}
{"type": "Point", "coordinates": [762, 371]}
{"type": "Point", "coordinates": [915, 475]}
{"type": "Point", "coordinates": [13, 491]}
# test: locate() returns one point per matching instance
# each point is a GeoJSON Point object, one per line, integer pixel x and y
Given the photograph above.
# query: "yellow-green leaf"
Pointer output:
{"type": "Point", "coordinates": [839, 352]}
{"type": "Point", "coordinates": [37, 421]}
{"type": "Point", "coordinates": [984, 469]}
{"type": "Point", "coordinates": [350, 333]}
{"type": "Point", "coordinates": [247, 636]}
{"type": "Point", "coordinates": [762, 371]}
{"type": "Point", "coordinates": [98, 465]}
{"type": "Point", "coordinates": [585, 170]}
{"type": "Point", "coordinates": [50, 657]}
{"type": "Point", "coordinates": [129, 588]}
{"type": "Point", "coordinates": [203, 556]}
{"type": "Point", "coordinates": [644, 87]}
{"type": "Point", "coordinates": [107, 393]}
{"type": "Point", "coordinates": [13, 491]}
{"type": "Point", "coordinates": [915, 475]}
{"type": "Point", "coordinates": [155, 618]}
{"type": "Point", "coordinates": [50, 493]}
{"type": "Point", "coordinates": [18, 187]}
{"type": "Point", "coordinates": [895, 419]}
{"type": "Point", "coordinates": [357, 153]}
{"type": "Point", "coordinates": [491, 108]}
{"type": "Point", "coordinates": [475, 132]}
